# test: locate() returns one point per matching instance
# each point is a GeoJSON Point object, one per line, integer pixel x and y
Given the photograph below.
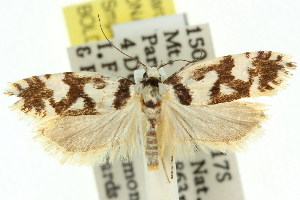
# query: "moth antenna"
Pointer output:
{"type": "Point", "coordinates": [188, 61]}
{"type": "Point", "coordinates": [172, 61]}
{"type": "Point", "coordinates": [145, 67]}
{"type": "Point", "coordinates": [161, 63]}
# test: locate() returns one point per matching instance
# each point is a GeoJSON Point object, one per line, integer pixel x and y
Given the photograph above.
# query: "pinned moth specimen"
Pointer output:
{"type": "Point", "coordinates": [91, 117]}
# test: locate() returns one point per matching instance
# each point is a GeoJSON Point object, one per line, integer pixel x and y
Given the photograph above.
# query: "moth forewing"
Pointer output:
{"type": "Point", "coordinates": [231, 77]}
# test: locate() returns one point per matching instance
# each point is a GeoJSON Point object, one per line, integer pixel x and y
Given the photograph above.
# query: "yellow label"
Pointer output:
{"type": "Point", "coordinates": [82, 19]}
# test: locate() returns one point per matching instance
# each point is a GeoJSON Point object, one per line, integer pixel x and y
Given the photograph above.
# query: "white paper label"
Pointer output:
{"type": "Point", "coordinates": [211, 176]}
{"type": "Point", "coordinates": [154, 24]}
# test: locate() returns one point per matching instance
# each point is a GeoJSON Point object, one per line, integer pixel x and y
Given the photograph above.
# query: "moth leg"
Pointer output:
{"type": "Point", "coordinates": [172, 167]}
{"type": "Point", "coordinates": [165, 169]}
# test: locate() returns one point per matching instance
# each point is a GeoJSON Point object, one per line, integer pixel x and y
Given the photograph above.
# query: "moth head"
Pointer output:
{"type": "Point", "coordinates": [155, 73]}
{"type": "Point", "coordinates": [151, 72]}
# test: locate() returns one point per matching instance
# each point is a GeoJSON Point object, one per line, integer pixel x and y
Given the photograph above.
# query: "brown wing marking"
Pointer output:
{"type": "Point", "coordinates": [242, 88]}
{"type": "Point", "coordinates": [182, 92]}
{"type": "Point", "coordinates": [122, 94]}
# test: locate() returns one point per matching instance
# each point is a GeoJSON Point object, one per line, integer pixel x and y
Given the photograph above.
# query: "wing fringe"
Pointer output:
{"type": "Point", "coordinates": [99, 156]}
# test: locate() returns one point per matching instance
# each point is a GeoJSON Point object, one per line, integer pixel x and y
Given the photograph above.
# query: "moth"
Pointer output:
{"type": "Point", "coordinates": [92, 118]}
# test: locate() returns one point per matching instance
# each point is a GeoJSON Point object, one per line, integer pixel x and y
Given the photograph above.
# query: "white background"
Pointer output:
{"type": "Point", "coordinates": [34, 39]}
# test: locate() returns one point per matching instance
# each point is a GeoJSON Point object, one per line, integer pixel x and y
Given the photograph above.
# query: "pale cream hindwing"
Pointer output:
{"type": "Point", "coordinates": [200, 108]}
{"type": "Point", "coordinates": [225, 126]}
{"type": "Point", "coordinates": [82, 117]}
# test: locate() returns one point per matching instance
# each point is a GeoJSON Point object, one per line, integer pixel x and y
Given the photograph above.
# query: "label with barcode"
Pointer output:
{"type": "Point", "coordinates": [211, 175]}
